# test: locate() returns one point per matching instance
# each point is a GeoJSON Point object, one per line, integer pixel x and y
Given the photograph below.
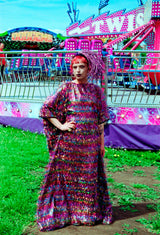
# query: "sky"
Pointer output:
{"type": "Point", "coordinates": [52, 14]}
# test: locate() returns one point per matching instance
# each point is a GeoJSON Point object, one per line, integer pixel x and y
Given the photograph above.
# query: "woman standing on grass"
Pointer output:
{"type": "Point", "coordinates": [75, 190]}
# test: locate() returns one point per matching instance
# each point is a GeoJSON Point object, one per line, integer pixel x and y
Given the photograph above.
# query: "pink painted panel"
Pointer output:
{"type": "Point", "coordinates": [97, 45]}
{"type": "Point", "coordinates": [71, 44]}
{"type": "Point", "coordinates": [118, 115]}
{"type": "Point", "coordinates": [83, 44]}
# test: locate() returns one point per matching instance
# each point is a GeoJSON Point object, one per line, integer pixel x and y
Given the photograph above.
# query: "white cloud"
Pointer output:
{"type": "Point", "coordinates": [63, 32]}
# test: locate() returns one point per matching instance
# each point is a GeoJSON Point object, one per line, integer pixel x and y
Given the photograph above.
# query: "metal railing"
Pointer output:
{"type": "Point", "coordinates": [129, 79]}
{"type": "Point", "coordinates": [34, 75]}
{"type": "Point", "coordinates": [133, 79]}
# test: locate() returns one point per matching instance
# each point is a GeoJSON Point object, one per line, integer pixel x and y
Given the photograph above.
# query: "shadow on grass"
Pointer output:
{"type": "Point", "coordinates": [140, 209]}
{"type": "Point", "coordinates": [122, 212]}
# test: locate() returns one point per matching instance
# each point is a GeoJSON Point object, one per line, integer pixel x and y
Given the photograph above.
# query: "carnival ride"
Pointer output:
{"type": "Point", "coordinates": [53, 63]}
{"type": "Point", "coordinates": [33, 75]}
{"type": "Point", "coordinates": [150, 69]}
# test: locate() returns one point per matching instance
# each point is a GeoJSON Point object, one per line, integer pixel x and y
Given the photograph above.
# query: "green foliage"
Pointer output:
{"type": "Point", "coordinates": [127, 230]}
{"type": "Point", "coordinates": [61, 37]}
{"type": "Point", "coordinates": [121, 157]}
{"type": "Point", "coordinates": [4, 34]}
{"type": "Point", "coordinates": [153, 223]}
{"type": "Point", "coordinates": [127, 195]}
{"type": "Point", "coordinates": [157, 174]}
{"type": "Point", "coordinates": [139, 173]}
{"type": "Point", "coordinates": [23, 158]}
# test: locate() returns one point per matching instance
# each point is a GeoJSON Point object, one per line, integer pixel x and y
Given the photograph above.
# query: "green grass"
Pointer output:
{"type": "Point", "coordinates": [122, 157]}
{"type": "Point", "coordinates": [23, 157]}
{"type": "Point", "coordinates": [153, 223]}
{"type": "Point", "coordinates": [128, 195]}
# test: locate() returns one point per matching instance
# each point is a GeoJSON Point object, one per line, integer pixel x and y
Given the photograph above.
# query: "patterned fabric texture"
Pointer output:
{"type": "Point", "coordinates": [74, 190]}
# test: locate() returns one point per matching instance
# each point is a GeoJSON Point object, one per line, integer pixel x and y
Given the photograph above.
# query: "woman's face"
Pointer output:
{"type": "Point", "coordinates": [80, 72]}
{"type": "Point", "coordinates": [1, 46]}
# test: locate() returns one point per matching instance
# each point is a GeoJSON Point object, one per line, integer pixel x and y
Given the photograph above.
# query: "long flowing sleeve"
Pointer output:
{"type": "Point", "coordinates": [54, 107]}
{"type": "Point", "coordinates": [103, 115]}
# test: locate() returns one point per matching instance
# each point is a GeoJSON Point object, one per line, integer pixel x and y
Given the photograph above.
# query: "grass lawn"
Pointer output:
{"type": "Point", "coordinates": [23, 157]}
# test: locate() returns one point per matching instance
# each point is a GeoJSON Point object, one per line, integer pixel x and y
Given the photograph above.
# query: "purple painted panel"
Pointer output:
{"type": "Point", "coordinates": [145, 137]}
{"type": "Point", "coordinates": [133, 137]}
{"type": "Point", "coordinates": [26, 124]}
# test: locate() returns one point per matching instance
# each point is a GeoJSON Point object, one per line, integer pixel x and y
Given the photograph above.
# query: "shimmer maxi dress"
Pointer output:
{"type": "Point", "coordinates": [74, 190]}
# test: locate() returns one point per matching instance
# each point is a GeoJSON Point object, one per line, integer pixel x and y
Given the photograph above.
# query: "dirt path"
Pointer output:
{"type": "Point", "coordinates": [121, 217]}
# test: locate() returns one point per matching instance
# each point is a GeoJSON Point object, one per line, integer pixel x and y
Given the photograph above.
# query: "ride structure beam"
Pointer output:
{"type": "Point", "coordinates": [134, 38]}
{"type": "Point", "coordinates": [144, 36]}
{"type": "Point", "coordinates": [127, 35]}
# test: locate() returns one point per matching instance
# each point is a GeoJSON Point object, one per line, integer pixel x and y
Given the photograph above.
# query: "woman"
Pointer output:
{"type": "Point", "coordinates": [75, 190]}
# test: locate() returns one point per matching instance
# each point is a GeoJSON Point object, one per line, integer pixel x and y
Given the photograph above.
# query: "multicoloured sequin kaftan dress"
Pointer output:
{"type": "Point", "coordinates": [74, 190]}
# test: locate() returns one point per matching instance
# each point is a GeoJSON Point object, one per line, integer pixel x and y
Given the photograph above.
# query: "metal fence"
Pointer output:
{"type": "Point", "coordinates": [129, 79]}
{"type": "Point", "coordinates": [32, 76]}
{"type": "Point", "coordinates": [133, 79]}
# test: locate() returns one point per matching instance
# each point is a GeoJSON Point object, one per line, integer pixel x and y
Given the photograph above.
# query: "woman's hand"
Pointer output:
{"type": "Point", "coordinates": [68, 126]}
